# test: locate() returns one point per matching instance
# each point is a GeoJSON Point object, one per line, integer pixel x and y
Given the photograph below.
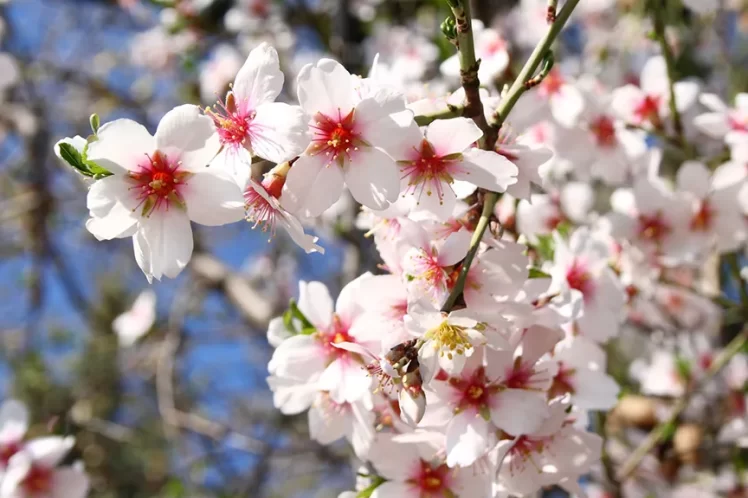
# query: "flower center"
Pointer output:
{"type": "Point", "coordinates": [8, 450]}
{"type": "Point", "coordinates": [472, 392]}
{"type": "Point", "coordinates": [604, 131]}
{"type": "Point", "coordinates": [232, 125]}
{"type": "Point", "coordinates": [428, 171]}
{"type": "Point", "coordinates": [653, 227]}
{"type": "Point", "coordinates": [523, 451]}
{"type": "Point", "coordinates": [563, 381]}
{"type": "Point", "coordinates": [738, 122]}
{"type": "Point", "coordinates": [38, 480]}
{"type": "Point", "coordinates": [579, 278]}
{"type": "Point", "coordinates": [433, 481]}
{"type": "Point", "coordinates": [335, 137]}
{"type": "Point", "coordinates": [157, 183]}
{"type": "Point", "coordinates": [702, 219]}
{"type": "Point", "coordinates": [449, 339]}
{"type": "Point", "coordinates": [648, 109]}
{"type": "Point", "coordinates": [336, 334]}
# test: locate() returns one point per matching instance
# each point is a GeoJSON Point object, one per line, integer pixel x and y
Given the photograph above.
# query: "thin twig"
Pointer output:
{"type": "Point", "coordinates": [448, 113]}
{"type": "Point", "coordinates": [659, 32]}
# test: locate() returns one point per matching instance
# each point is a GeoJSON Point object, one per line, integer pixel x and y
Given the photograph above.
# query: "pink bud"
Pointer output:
{"type": "Point", "coordinates": [412, 405]}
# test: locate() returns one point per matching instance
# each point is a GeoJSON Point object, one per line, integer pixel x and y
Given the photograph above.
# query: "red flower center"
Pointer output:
{"type": "Point", "coordinates": [738, 122]}
{"type": "Point", "coordinates": [38, 480]}
{"type": "Point", "coordinates": [653, 227]}
{"type": "Point", "coordinates": [702, 219]}
{"type": "Point", "coordinates": [232, 124]}
{"type": "Point", "coordinates": [428, 171]}
{"type": "Point", "coordinates": [432, 481]}
{"type": "Point", "coordinates": [472, 392]}
{"type": "Point", "coordinates": [579, 278]}
{"type": "Point", "coordinates": [157, 183]}
{"type": "Point", "coordinates": [562, 382]}
{"type": "Point", "coordinates": [648, 109]}
{"type": "Point", "coordinates": [604, 131]}
{"type": "Point", "coordinates": [336, 334]}
{"type": "Point", "coordinates": [551, 84]}
{"type": "Point", "coordinates": [335, 137]}
{"type": "Point", "coordinates": [8, 450]}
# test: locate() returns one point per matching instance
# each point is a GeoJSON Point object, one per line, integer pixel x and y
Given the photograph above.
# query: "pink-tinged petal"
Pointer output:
{"type": "Point", "coordinates": [653, 78]}
{"type": "Point", "coordinates": [372, 177]}
{"type": "Point", "coordinates": [452, 136]}
{"type": "Point", "coordinates": [713, 124]}
{"type": "Point", "coordinates": [399, 138]}
{"type": "Point", "coordinates": [17, 470]}
{"type": "Point", "coordinates": [168, 238]}
{"type": "Point", "coordinates": [69, 482]}
{"type": "Point", "coordinates": [395, 489]}
{"type": "Point", "coordinates": [467, 439]}
{"type": "Point", "coordinates": [279, 132]}
{"type": "Point", "coordinates": [121, 145]}
{"type": "Point", "coordinates": [348, 304]}
{"type": "Point", "coordinates": [517, 411]}
{"type": "Point", "coordinates": [14, 421]}
{"type": "Point", "coordinates": [346, 380]}
{"type": "Point", "coordinates": [455, 248]}
{"type": "Point", "coordinates": [395, 460]}
{"type": "Point", "coordinates": [595, 390]}
{"type": "Point", "coordinates": [326, 88]}
{"type": "Point", "coordinates": [213, 199]}
{"type": "Point", "coordinates": [362, 433]}
{"type": "Point", "coordinates": [694, 177]}
{"type": "Point", "coordinates": [537, 341]}
{"type": "Point", "coordinates": [316, 304]}
{"type": "Point", "coordinates": [188, 135]}
{"type": "Point", "coordinates": [260, 79]}
{"type": "Point", "coordinates": [312, 185]}
{"type": "Point", "coordinates": [488, 170]}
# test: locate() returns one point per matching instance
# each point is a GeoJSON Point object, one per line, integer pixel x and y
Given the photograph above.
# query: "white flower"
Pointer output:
{"type": "Point", "coordinates": [434, 168]}
{"type": "Point", "coordinates": [729, 124]}
{"type": "Point", "coordinates": [138, 320]}
{"type": "Point", "coordinates": [251, 123]}
{"type": "Point", "coordinates": [351, 137]}
{"type": "Point", "coordinates": [14, 421]}
{"type": "Point", "coordinates": [581, 373]}
{"type": "Point", "coordinates": [158, 185]}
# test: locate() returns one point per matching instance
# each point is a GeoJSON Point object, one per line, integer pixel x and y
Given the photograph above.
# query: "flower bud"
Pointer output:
{"type": "Point", "coordinates": [412, 405]}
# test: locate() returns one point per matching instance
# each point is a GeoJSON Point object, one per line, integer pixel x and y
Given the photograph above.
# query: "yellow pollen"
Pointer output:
{"type": "Point", "coordinates": [338, 338]}
{"type": "Point", "coordinates": [433, 482]}
{"type": "Point", "coordinates": [475, 392]}
{"type": "Point", "coordinates": [450, 337]}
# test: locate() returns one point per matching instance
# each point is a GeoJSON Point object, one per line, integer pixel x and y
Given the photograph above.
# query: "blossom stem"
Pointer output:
{"type": "Point", "coordinates": [469, 69]}
{"type": "Point", "coordinates": [734, 265]}
{"type": "Point", "coordinates": [448, 113]}
{"type": "Point", "coordinates": [531, 66]}
{"type": "Point", "coordinates": [538, 55]}
{"type": "Point", "coordinates": [667, 53]}
{"type": "Point", "coordinates": [659, 432]}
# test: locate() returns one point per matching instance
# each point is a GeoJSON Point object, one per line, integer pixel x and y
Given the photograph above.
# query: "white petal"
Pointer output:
{"type": "Point", "coordinates": [213, 199]}
{"type": "Point", "coordinates": [121, 146]}
{"type": "Point", "coordinates": [168, 236]}
{"type": "Point", "coordinates": [235, 162]}
{"type": "Point", "coordinates": [567, 105]}
{"type": "Point", "coordinates": [278, 132]}
{"type": "Point", "coordinates": [686, 93]}
{"type": "Point", "coordinates": [455, 248]}
{"type": "Point", "coordinates": [467, 439]}
{"type": "Point", "coordinates": [452, 136]}
{"type": "Point", "coordinates": [312, 185]}
{"type": "Point", "coordinates": [189, 135]}
{"type": "Point", "coordinates": [713, 102]}
{"type": "Point", "coordinates": [713, 124]}
{"type": "Point", "coordinates": [517, 411]}
{"type": "Point", "coordinates": [326, 88]}
{"type": "Point", "coordinates": [488, 170]}
{"type": "Point", "coordinates": [372, 177]}
{"type": "Point", "coordinates": [69, 482]}
{"type": "Point", "coordinates": [49, 451]}
{"type": "Point", "coordinates": [694, 177]}
{"type": "Point", "coordinates": [260, 79]}
{"type": "Point", "coordinates": [315, 302]}
{"type": "Point", "coordinates": [393, 489]}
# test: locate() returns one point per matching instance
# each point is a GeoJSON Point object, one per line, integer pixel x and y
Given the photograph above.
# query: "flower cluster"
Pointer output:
{"type": "Point", "coordinates": [515, 251]}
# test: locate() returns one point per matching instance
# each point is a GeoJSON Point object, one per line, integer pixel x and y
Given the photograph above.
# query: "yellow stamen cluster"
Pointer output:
{"type": "Point", "coordinates": [449, 338]}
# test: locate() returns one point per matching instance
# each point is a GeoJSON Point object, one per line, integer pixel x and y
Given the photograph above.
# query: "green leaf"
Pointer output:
{"type": "Point", "coordinates": [296, 313]}
{"type": "Point", "coordinates": [683, 366]}
{"type": "Point", "coordinates": [564, 229]}
{"type": "Point", "coordinates": [668, 431]}
{"type": "Point", "coordinates": [74, 158]}
{"type": "Point", "coordinates": [308, 331]}
{"type": "Point", "coordinates": [545, 247]}
{"type": "Point", "coordinates": [376, 482]}
{"type": "Point", "coordinates": [535, 273]}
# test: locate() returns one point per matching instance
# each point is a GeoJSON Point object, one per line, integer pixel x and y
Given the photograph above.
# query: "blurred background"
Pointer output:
{"type": "Point", "coordinates": [185, 411]}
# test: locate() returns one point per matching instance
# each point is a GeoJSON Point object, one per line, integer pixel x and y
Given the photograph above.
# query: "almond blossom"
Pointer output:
{"type": "Point", "coordinates": [723, 122]}
{"type": "Point", "coordinates": [249, 123]}
{"type": "Point", "coordinates": [350, 140]}
{"type": "Point", "coordinates": [158, 185]}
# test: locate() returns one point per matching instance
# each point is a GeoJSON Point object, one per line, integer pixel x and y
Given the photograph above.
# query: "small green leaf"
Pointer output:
{"type": "Point", "coordinates": [545, 247]}
{"type": "Point", "coordinates": [535, 273]}
{"type": "Point", "coordinates": [376, 482]}
{"type": "Point", "coordinates": [296, 313]}
{"type": "Point", "coordinates": [564, 229]}
{"type": "Point", "coordinates": [95, 123]}
{"type": "Point", "coordinates": [668, 432]}
{"type": "Point", "coordinates": [74, 158]}
{"type": "Point", "coordinates": [683, 366]}
{"type": "Point", "coordinates": [308, 331]}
